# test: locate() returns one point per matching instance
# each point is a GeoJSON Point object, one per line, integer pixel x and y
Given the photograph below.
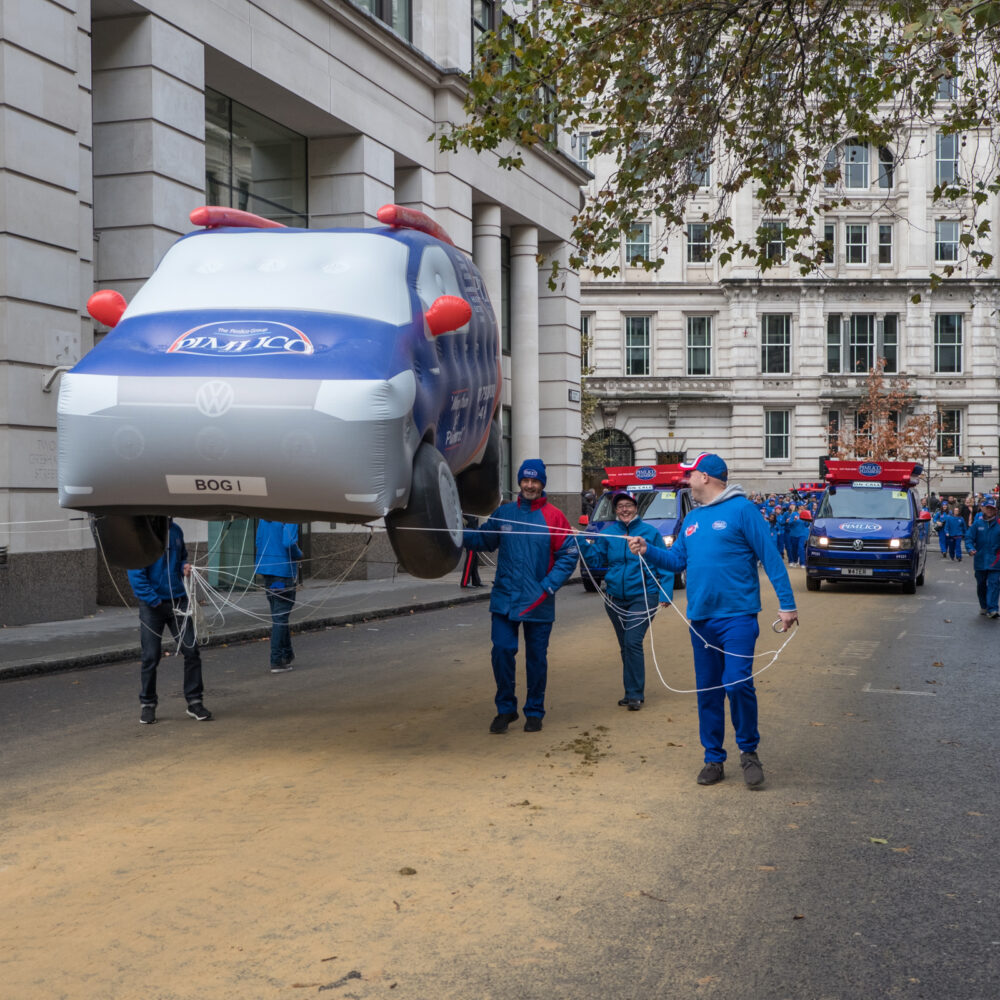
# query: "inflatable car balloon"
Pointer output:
{"type": "Point", "coordinates": [294, 375]}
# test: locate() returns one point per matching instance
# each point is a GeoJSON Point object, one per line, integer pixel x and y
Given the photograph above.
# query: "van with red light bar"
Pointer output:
{"type": "Point", "coordinates": [869, 526]}
{"type": "Point", "coordinates": [662, 498]}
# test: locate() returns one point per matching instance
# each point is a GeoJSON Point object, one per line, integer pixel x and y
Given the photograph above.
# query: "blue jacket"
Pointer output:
{"type": "Point", "coordinates": [983, 538]}
{"type": "Point", "coordinates": [625, 579]}
{"type": "Point", "coordinates": [538, 554]}
{"type": "Point", "coordinates": [164, 579]}
{"type": "Point", "coordinates": [277, 552]}
{"type": "Point", "coordinates": [719, 545]}
{"type": "Point", "coordinates": [953, 525]}
{"type": "Point", "coordinates": [798, 528]}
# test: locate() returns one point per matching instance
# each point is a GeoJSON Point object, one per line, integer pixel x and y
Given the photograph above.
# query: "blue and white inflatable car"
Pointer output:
{"type": "Point", "coordinates": [294, 375]}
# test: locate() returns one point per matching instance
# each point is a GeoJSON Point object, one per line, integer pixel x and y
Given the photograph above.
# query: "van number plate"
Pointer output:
{"type": "Point", "coordinates": [254, 486]}
{"type": "Point", "coordinates": [857, 572]}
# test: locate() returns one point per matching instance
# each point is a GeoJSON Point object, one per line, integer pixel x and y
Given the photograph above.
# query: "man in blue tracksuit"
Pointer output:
{"type": "Point", "coordinates": [798, 534]}
{"type": "Point", "coordinates": [633, 594]}
{"type": "Point", "coordinates": [954, 530]}
{"type": "Point", "coordinates": [163, 604]}
{"type": "Point", "coordinates": [278, 555]}
{"type": "Point", "coordinates": [537, 556]}
{"type": "Point", "coordinates": [720, 545]}
{"type": "Point", "coordinates": [983, 541]}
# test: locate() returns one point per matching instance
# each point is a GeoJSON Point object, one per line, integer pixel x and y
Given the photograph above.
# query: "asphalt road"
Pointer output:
{"type": "Point", "coordinates": [584, 861]}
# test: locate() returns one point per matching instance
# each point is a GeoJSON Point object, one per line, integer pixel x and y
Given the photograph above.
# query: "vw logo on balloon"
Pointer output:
{"type": "Point", "coordinates": [213, 399]}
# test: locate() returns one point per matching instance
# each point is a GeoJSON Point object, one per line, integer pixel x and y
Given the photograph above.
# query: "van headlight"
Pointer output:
{"type": "Point", "coordinates": [823, 541]}
{"type": "Point", "coordinates": [668, 540]}
{"type": "Point", "coordinates": [900, 543]}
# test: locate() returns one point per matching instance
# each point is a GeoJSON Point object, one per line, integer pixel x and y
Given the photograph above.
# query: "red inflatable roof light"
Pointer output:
{"type": "Point", "coordinates": [651, 475]}
{"type": "Point", "coordinates": [401, 217]}
{"type": "Point", "coordinates": [888, 473]}
{"type": "Point", "coordinates": [214, 216]}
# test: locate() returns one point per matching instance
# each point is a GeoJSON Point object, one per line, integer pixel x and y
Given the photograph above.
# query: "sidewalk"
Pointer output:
{"type": "Point", "coordinates": [113, 633]}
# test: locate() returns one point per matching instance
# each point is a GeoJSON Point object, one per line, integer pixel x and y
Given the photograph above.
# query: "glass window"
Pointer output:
{"type": "Point", "coordinates": [637, 244]}
{"type": "Point", "coordinates": [949, 433]}
{"type": "Point", "coordinates": [946, 232]}
{"type": "Point", "coordinates": [506, 450]}
{"type": "Point", "coordinates": [701, 170]}
{"type": "Point", "coordinates": [396, 13]}
{"type": "Point", "coordinates": [586, 344]}
{"type": "Point", "coordinates": [855, 165]}
{"type": "Point", "coordinates": [699, 246]}
{"type": "Point", "coordinates": [776, 443]}
{"type": "Point", "coordinates": [946, 158]}
{"type": "Point", "coordinates": [889, 342]}
{"type": "Point", "coordinates": [856, 242]}
{"type": "Point", "coordinates": [774, 234]}
{"type": "Point", "coordinates": [484, 14]}
{"type": "Point", "coordinates": [947, 88]}
{"type": "Point", "coordinates": [253, 163]}
{"type": "Point", "coordinates": [834, 339]}
{"type": "Point", "coordinates": [832, 430]}
{"type": "Point", "coordinates": [885, 242]}
{"type": "Point", "coordinates": [830, 239]}
{"type": "Point", "coordinates": [886, 168]}
{"type": "Point", "coordinates": [582, 142]}
{"type": "Point", "coordinates": [699, 345]}
{"type": "Point", "coordinates": [637, 345]}
{"type": "Point", "coordinates": [948, 343]}
{"type": "Point", "coordinates": [861, 342]}
{"type": "Point", "coordinates": [776, 345]}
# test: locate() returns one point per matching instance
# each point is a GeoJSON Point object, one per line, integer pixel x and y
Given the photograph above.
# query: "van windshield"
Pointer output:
{"type": "Point", "coordinates": [651, 503]}
{"type": "Point", "coordinates": [883, 502]}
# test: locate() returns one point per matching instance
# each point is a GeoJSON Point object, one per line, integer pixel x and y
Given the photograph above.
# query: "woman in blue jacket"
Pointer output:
{"type": "Point", "coordinates": [632, 593]}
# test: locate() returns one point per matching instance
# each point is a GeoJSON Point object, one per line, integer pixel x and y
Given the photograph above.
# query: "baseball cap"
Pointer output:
{"type": "Point", "coordinates": [988, 501]}
{"type": "Point", "coordinates": [621, 495]}
{"type": "Point", "coordinates": [710, 464]}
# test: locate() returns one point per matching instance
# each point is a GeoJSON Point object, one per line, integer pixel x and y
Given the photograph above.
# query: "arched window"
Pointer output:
{"type": "Point", "coordinates": [606, 447]}
{"type": "Point", "coordinates": [859, 167]}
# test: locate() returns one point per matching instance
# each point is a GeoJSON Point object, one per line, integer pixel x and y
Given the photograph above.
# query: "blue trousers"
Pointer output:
{"type": "Point", "coordinates": [631, 621]}
{"type": "Point", "coordinates": [713, 668]}
{"type": "Point", "coordinates": [503, 634]}
{"type": "Point", "coordinates": [955, 547]}
{"type": "Point", "coordinates": [943, 539]}
{"type": "Point", "coordinates": [281, 603]}
{"type": "Point", "coordinates": [988, 588]}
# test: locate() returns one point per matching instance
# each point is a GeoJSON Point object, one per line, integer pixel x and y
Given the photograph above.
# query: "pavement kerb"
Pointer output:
{"type": "Point", "coordinates": [118, 652]}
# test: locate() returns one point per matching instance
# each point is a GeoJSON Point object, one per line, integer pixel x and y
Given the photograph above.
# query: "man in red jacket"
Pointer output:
{"type": "Point", "coordinates": [537, 555]}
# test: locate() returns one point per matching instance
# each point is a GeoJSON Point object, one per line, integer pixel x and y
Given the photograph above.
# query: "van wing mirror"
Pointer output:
{"type": "Point", "coordinates": [107, 306]}
{"type": "Point", "coordinates": [447, 313]}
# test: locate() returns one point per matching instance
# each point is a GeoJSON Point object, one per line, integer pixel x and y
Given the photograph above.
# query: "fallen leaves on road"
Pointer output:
{"type": "Point", "coordinates": [878, 840]}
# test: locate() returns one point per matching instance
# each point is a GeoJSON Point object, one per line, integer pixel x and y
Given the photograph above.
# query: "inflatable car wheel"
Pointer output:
{"type": "Point", "coordinates": [433, 505]}
{"type": "Point", "coordinates": [131, 542]}
{"type": "Point", "coordinates": [479, 485]}
{"type": "Point", "coordinates": [910, 587]}
{"type": "Point", "coordinates": [812, 583]}
{"type": "Point", "coordinates": [920, 579]}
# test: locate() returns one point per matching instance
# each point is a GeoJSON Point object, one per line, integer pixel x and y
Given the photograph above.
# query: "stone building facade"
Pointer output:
{"type": "Point", "coordinates": [764, 367]}
{"type": "Point", "coordinates": [118, 117]}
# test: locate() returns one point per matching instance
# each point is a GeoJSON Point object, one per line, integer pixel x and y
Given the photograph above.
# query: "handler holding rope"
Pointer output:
{"type": "Point", "coordinates": [719, 545]}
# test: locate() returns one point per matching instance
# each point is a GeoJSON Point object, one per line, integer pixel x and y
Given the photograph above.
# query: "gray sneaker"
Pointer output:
{"type": "Point", "coordinates": [712, 772]}
{"type": "Point", "coordinates": [148, 715]}
{"type": "Point", "coordinates": [199, 713]}
{"type": "Point", "coordinates": [753, 773]}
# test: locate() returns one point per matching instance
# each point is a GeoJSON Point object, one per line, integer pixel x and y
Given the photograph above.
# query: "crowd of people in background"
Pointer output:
{"type": "Point", "coordinates": [788, 529]}
{"type": "Point", "coordinates": [952, 517]}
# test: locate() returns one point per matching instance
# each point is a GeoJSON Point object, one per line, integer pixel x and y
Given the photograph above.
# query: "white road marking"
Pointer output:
{"type": "Point", "coordinates": [868, 689]}
{"type": "Point", "coordinates": [901, 634]}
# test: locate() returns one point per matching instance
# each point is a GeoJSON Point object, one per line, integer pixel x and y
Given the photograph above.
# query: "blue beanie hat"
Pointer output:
{"type": "Point", "coordinates": [532, 468]}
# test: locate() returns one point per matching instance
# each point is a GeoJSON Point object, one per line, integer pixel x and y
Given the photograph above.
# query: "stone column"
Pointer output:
{"type": "Point", "coordinates": [350, 178]}
{"type": "Point", "coordinates": [524, 344]}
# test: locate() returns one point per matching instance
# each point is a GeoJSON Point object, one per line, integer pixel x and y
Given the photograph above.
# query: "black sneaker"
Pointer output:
{"type": "Point", "coordinates": [627, 703]}
{"type": "Point", "coordinates": [198, 712]}
{"type": "Point", "coordinates": [148, 715]}
{"type": "Point", "coordinates": [502, 721]}
{"type": "Point", "coordinates": [634, 705]}
{"type": "Point", "coordinates": [712, 772]}
{"type": "Point", "coordinates": [753, 773]}
{"type": "Point", "coordinates": [281, 666]}
{"type": "Point", "coordinates": [532, 724]}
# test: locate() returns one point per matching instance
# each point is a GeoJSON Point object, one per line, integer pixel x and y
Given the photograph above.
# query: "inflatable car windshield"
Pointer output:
{"type": "Point", "coordinates": [294, 375]}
